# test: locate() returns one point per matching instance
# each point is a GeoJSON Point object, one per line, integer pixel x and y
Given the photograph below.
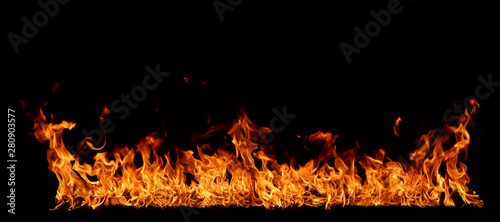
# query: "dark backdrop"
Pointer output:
{"type": "Point", "coordinates": [261, 56]}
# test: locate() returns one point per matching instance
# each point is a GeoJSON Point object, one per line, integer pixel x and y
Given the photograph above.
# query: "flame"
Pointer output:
{"type": "Point", "coordinates": [243, 172]}
{"type": "Point", "coordinates": [105, 112]}
{"type": "Point", "coordinates": [56, 88]}
{"type": "Point", "coordinates": [396, 126]}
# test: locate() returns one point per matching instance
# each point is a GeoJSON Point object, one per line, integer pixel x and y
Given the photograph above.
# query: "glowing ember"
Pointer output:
{"type": "Point", "coordinates": [248, 175]}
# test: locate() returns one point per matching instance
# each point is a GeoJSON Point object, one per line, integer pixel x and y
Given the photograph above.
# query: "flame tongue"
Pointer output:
{"type": "Point", "coordinates": [227, 178]}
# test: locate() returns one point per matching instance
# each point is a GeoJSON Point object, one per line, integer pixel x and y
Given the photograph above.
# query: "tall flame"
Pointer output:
{"type": "Point", "coordinates": [249, 175]}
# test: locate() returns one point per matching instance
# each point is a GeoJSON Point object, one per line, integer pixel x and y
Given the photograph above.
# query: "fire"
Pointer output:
{"type": "Point", "coordinates": [248, 174]}
{"type": "Point", "coordinates": [396, 126]}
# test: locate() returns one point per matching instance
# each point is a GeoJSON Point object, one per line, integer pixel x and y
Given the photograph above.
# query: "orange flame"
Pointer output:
{"type": "Point", "coordinates": [105, 112]}
{"type": "Point", "coordinates": [396, 126]}
{"type": "Point", "coordinates": [249, 175]}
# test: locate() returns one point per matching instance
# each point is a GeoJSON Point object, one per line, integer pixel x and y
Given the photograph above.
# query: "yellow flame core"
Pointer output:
{"type": "Point", "coordinates": [226, 178]}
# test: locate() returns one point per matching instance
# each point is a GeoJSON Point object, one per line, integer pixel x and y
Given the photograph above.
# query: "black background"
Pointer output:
{"type": "Point", "coordinates": [262, 56]}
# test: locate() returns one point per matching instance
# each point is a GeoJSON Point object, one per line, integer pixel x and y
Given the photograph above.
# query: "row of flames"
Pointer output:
{"type": "Point", "coordinates": [233, 178]}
